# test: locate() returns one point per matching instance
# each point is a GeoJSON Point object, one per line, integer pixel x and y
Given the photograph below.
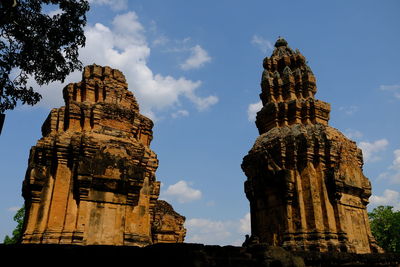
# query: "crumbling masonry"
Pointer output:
{"type": "Point", "coordinates": [304, 182]}
{"type": "Point", "coordinates": [91, 177]}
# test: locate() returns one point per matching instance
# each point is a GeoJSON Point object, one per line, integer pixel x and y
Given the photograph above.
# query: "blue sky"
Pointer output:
{"type": "Point", "coordinates": [195, 68]}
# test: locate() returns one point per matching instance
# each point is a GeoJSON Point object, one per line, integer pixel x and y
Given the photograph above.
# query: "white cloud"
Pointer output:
{"type": "Point", "coordinates": [244, 224]}
{"type": "Point", "coordinates": [180, 113]}
{"type": "Point", "coordinates": [392, 174]}
{"type": "Point", "coordinates": [350, 110]}
{"type": "Point", "coordinates": [389, 198]}
{"type": "Point", "coordinates": [353, 134]}
{"type": "Point", "coordinates": [392, 88]}
{"type": "Point", "coordinates": [207, 231]}
{"type": "Point", "coordinates": [253, 109]}
{"type": "Point", "coordinates": [263, 44]}
{"type": "Point", "coordinates": [157, 38]}
{"type": "Point", "coordinates": [13, 209]}
{"type": "Point", "coordinates": [123, 46]}
{"type": "Point", "coordinates": [160, 40]}
{"type": "Point", "coordinates": [115, 5]}
{"type": "Point", "coordinates": [395, 168]}
{"type": "Point", "coordinates": [218, 232]}
{"type": "Point", "coordinates": [197, 58]}
{"type": "Point", "coordinates": [395, 178]}
{"type": "Point", "coordinates": [202, 103]}
{"type": "Point", "coordinates": [371, 149]}
{"type": "Point", "coordinates": [182, 192]}
{"type": "Point", "coordinates": [130, 33]}
{"type": "Point", "coordinates": [396, 161]}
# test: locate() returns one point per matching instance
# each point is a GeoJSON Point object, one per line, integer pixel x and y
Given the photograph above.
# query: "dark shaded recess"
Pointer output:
{"type": "Point", "coordinates": [187, 255]}
{"type": "Point", "coordinates": [113, 111]}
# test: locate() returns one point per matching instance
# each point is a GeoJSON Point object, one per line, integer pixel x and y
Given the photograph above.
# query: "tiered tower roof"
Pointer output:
{"type": "Point", "coordinates": [288, 89]}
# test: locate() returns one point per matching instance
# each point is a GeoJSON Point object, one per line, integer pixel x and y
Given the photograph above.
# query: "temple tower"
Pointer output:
{"type": "Point", "coordinates": [304, 182]}
{"type": "Point", "coordinates": [91, 177]}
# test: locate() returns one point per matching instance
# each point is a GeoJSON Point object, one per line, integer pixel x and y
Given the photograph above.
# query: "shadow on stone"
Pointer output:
{"type": "Point", "coordinates": [186, 255]}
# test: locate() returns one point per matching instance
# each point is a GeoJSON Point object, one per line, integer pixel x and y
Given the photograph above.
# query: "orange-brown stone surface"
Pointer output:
{"type": "Point", "coordinates": [91, 177]}
{"type": "Point", "coordinates": [167, 226]}
{"type": "Point", "coordinates": [304, 182]}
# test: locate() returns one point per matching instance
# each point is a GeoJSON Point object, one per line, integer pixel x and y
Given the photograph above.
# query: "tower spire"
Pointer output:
{"type": "Point", "coordinates": [304, 178]}
{"type": "Point", "coordinates": [288, 89]}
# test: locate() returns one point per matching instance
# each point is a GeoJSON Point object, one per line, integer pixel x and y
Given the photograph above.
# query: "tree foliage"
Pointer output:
{"type": "Point", "coordinates": [33, 43]}
{"type": "Point", "coordinates": [385, 227]}
{"type": "Point", "coordinates": [17, 233]}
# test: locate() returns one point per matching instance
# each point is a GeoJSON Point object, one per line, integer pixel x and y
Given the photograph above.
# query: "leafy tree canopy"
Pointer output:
{"type": "Point", "coordinates": [385, 227]}
{"type": "Point", "coordinates": [33, 43]}
{"type": "Point", "coordinates": [17, 233]}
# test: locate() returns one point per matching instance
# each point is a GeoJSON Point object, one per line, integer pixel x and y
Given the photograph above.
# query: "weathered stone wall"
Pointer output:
{"type": "Point", "coordinates": [91, 177]}
{"type": "Point", "coordinates": [305, 182]}
{"type": "Point", "coordinates": [167, 225]}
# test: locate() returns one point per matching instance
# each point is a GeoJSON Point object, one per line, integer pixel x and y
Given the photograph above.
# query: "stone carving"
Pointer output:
{"type": "Point", "coordinates": [91, 177]}
{"type": "Point", "coordinates": [304, 182]}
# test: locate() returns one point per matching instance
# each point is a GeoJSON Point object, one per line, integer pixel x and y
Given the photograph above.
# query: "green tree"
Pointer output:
{"type": "Point", "coordinates": [17, 233]}
{"type": "Point", "coordinates": [385, 227]}
{"type": "Point", "coordinates": [39, 45]}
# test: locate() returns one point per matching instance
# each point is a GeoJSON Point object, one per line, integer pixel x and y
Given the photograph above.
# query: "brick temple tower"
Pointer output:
{"type": "Point", "coordinates": [304, 182]}
{"type": "Point", "coordinates": [91, 177]}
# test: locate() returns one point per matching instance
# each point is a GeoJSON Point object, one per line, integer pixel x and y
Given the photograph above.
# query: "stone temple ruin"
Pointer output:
{"type": "Point", "coordinates": [304, 182]}
{"type": "Point", "coordinates": [91, 177]}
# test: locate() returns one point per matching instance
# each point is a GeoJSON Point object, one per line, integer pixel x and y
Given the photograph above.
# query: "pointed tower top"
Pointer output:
{"type": "Point", "coordinates": [282, 48]}
{"type": "Point", "coordinates": [281, 42]}
{"type": "Point", "coordinates": [288, 87]}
